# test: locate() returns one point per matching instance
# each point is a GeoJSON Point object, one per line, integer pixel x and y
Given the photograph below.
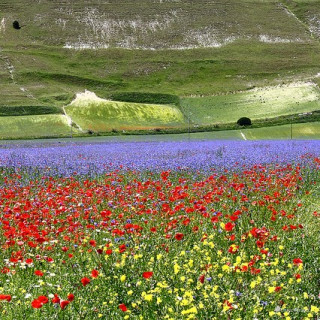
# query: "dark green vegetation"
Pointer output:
{"type": "Point", "coordinates": [244, 121]}
{"type": "Point", "coordinates": [28, 110]}
{"type": "Point", "coordinates": [160, 52]}
{"type": "Point", "coordinates": [141, 97]}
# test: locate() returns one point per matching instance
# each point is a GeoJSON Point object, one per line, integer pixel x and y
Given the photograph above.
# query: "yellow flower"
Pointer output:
{"type": "Point", "coordinates": [147, 297]}
{"type": "Point", "coordinates": [271, 289]}
{"type": "Point", "coordinates": [188, 311]}
{"type": "Point", "coordinates": [185, 302]}
{"type": "Point", "coordinates": [176, 268]}
{"type": "Point", "coordinates": [225, 267]}
{"type": "Point", "coordinates": [123, 278]}
{"type": "Point", "coordinates": [314, 309]}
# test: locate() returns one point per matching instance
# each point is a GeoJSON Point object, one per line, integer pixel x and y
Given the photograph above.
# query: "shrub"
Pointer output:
{"type": "Point", "coordinates": [244, 121]}
{"type": "Point", "coordinates": [16, 25]}
{"type": "Point", "coordinates": [143, 97]}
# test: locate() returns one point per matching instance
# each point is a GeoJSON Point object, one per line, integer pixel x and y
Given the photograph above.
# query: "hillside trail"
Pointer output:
{"type": "Point", "coordinates": [70, 121]}
{"type": "Point", "coordinates": [288, 11]}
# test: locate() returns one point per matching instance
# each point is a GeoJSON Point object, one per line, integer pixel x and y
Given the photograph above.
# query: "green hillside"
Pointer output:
{"type": "Point", "coordinates": [208, 53]}
{"type": "Point", "coordinates": [99, 115]}
{"type": "Point", "coordinates": [268, 102]}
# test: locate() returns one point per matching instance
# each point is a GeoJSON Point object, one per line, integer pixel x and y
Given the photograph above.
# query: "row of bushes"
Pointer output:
{"type": "Point", "coordinates": [29, 110]}
{"type": "Point", "coordinates": [141, 97]}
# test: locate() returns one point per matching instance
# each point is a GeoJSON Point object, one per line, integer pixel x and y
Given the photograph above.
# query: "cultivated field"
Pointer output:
{"type": "Point", "coordinates": [160, 230]}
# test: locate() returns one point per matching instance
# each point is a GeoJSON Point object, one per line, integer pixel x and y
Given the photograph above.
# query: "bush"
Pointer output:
{"type": "Point", "coordinates": [16, 25]}
{"type": "Point", "coordinates": [244, 121]}
{"type": "Point", "coordinates": [28, 110]}
{"type": "Point", "coordinates": [143, 97]}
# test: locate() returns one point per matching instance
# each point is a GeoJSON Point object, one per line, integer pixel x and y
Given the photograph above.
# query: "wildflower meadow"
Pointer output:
{"type": "Point", "coordinates": [160, 230]}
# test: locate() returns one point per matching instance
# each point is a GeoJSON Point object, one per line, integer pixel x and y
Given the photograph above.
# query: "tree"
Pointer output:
{"type": "Point", "coordinates": [16, 25]}
{"type": "Point", "coordinates": [244, 121]}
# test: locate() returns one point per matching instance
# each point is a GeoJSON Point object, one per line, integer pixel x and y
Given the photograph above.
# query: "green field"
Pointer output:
{"type": "Point", "coordinates": [39, 126]}
{"type": "Point", "coordinates": [57, 126]}
{"type": "Point", "coordinates": [256, 104]}
{"type": "Point", "coordinates": [99, 115]}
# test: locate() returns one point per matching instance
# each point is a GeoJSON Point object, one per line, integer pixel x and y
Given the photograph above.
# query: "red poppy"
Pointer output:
{"type": "Point", "coordinates": [201, 278]}
{"type": "Point", "coordinates": [179, 236]}
{"type": "Point", "coordinates": [297, 261]}
{"type": "Point", "coordinates": [38, 273]}
{"type": "Point", "coordinates": [5, 297]}
{"type": "Point", "coordinates": [147, 274]}
{"type": "Point", "coordinates": [92, 243]}
{"type": "Point", "coordinates": [36, 304]}
{"type": "Point", "coordinates": [123, 307]}
{"type": "Point", "coordinates": [94, 273]}
{"type": "Point", "coordinates": [70, 297]}
{"type": "Point", "coordinates": [229, 226]}
{"type": "Point", "coordinates": [233, 249]}
{"type": "Point", "coordinates": [43, 299]}
{"type": "Point", "coordinates": [85, 281]}
{"type": "Point", "coordinates": [64, 303]}
{"type": "Point", "coordinates": [56, 299]}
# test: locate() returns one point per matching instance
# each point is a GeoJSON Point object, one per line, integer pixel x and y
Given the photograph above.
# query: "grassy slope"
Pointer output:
{"type": "Point", "coordinates": [256, 104]}
{"type": "Point", "coordinates": [53, 74]}
{"type": "Point", "coordinates": [34, 126]}
{"type": "Point", "coordinates": [107, 115]}
{"type": "Point", "coordinates": [262, 45]}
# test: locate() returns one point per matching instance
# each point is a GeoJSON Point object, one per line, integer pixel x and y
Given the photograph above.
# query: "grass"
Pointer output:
{"type": "Point", "coordinates": [147, 25]}
{"type": "Point", "coordinates": [238, 46]}
{"type": "Point", "coordinates": [255, 104]}
{"type": "Point", "coordinates": [99, 115]}
{"type": "Point", "coordinates": [307, 11]}
{"type": "Point", "coordinates": [57, 127]}
{"type": "Point", "coordinates": [39, 126]}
